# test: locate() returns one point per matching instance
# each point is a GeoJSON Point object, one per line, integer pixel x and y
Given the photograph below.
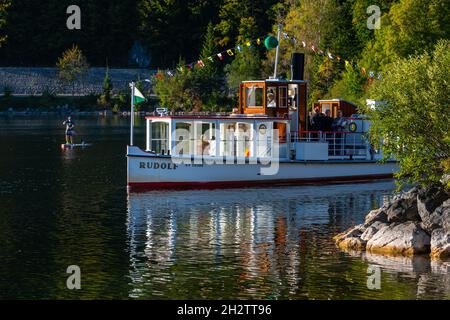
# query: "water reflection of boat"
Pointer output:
{"type": "Point", "coordinates": [250, 234]}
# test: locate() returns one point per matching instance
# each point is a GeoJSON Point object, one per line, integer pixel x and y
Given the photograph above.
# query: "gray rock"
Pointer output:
{"type": "Point", "coordinates": [440, 244]}
{"type": "Point", "coordinates": [372, 230]}
{"type": "Point", "coordinates": [406, 238]}
{"type": "Point", "coordinates": [403, 208]}
{"type": "Point", "coordinates": [376, 215]}
{"type": "Point", "coordinates": [428, 200]}
{"type": "Point", "coordinates": [351, 238]}
{"type": "Point", "coordinates": [440, 218]}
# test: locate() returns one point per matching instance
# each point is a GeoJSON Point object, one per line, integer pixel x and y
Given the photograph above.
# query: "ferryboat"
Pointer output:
{"type": "Point", "coordinates": [265, 141]}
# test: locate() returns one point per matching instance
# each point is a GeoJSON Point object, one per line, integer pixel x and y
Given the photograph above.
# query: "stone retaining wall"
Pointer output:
{"type": "Point", "coordinates": [35, 81]}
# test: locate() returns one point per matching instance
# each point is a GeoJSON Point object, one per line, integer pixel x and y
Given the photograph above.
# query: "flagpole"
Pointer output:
{"type": "Point", "coordinates": [275, 73]}
{"type": "Point", "coordinates": [133, 85]}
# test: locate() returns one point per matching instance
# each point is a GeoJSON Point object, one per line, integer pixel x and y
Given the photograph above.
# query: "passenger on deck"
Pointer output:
{"type": "Point", "coordinates": [327, 122]}
{"type": "Point", "coordinates": [339, 123]}
{"type": "Point", "coordinates": [317, 120]}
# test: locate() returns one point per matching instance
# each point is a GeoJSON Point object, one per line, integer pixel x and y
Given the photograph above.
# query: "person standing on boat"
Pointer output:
{"type": "Point", "coordinates": [327, 122]}
{"type": "Point", "coordinates": [70, 125]}
{"type": "Point", "coordinates": [317, 123]}
{"type": "Point", "coordinates": [340, 122]}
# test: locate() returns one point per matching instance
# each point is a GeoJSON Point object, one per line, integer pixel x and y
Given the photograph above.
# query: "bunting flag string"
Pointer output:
{"type": "Point", "coordinates": [249, 44]}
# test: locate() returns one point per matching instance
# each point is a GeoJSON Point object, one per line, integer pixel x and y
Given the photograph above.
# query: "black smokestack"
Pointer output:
{"type": "Point", "coordinates": [297, 66]}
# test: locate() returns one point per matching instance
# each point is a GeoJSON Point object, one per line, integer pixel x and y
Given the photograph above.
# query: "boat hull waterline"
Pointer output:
{"type": "Point", "coordinates": [150, 171]}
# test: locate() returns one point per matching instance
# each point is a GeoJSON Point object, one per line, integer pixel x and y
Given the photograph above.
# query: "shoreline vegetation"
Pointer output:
{"type": "Point", "coordinates": [68, 104]}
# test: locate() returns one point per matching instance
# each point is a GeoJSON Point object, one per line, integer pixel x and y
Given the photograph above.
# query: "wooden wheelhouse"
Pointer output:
{"type": "Point", "coordinates": [276, 98]}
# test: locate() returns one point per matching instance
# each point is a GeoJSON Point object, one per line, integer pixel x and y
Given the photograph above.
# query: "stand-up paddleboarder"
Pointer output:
{"type": "Point", "coordinates": [70, 125]}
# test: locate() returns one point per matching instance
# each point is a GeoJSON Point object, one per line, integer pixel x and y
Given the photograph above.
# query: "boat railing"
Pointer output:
{"type": "Point", "coordinates": [341, 144]}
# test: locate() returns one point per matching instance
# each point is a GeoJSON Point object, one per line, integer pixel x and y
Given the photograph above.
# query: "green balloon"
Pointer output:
{"type": "Point", "coordinates": [271, 42]}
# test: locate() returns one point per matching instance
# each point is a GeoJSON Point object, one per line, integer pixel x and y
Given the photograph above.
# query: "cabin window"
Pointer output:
{"type": "Point", "coordinates": [254, 96]}
{"type": "Point", "coordinates": [271, 97]}
{"type": "Point", "coordinates": [227, 139]}
{"type": "Point", "coordinates": [160, 138]}
{"type": "Point", "coordinates": [283, 97]}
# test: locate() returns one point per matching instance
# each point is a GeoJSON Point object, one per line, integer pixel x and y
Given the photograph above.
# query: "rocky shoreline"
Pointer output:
{"type": "Point", "coordinates": [416, 222]}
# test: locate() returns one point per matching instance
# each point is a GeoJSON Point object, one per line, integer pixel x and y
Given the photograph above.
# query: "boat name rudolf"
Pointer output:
{"type": "Point", "coordinates": [157, 165]}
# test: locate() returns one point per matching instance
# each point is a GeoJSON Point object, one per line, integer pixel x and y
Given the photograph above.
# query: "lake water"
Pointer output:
{"type": "Point", "coordinates": [61, 208]}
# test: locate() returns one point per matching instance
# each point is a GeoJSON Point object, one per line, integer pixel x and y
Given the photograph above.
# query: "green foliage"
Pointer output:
{"type": "Point", "coordinates": [4, 5]}
{"type": "Point", "coordinates": [105, 98]}
{"type": "Point", "coordinates": [173, 27]}
{"type": "Point", "coordinates": [246, 66]}
{"type": "Point", "coordinates": [350, 87]}
{"type": "Point", "coordinates": [414, 122]}
{"type": "Point", "coordinates": [326, 24]}
{"type": "Point", "coordinates": [359, 15]}
{"type": "Point", "coordinates": [240, 20]}
{"type": "Point", "coordinates": [48, 102]}
{"type": "Point", "coordinates": [411, 26]}
{"type": "Point", "coordinates": [201, 88]}
{"type": "Point", "coordinates": [72, 65]}
{"type": "Point", "coordinates": [177, 93]}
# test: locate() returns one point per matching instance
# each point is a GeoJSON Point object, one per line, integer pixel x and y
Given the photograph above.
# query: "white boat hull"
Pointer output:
{"type": "Point", "coordinates": [151, 171]}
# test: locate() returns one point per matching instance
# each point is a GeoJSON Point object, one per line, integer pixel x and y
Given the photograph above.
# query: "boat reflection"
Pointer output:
{"type": "Point", "coordinates": [247, 240]}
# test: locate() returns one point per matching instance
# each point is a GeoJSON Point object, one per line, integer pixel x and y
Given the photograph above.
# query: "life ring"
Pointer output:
{"type": "Point", "coordinates": [353, 127]}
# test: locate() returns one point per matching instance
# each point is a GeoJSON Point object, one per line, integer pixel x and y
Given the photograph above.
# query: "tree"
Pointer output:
{"type": "Point", "coordinates": [325, 24]}
{"type": "Point", "coordinates": [4, 5]}
{"type": "Point", "coordinates": [163, 28]}
{"type": "Point", "coordinates": [350, 87]}
{"type": "Point", "coordinates": [175, 92]}
{"type": "Point", "coordinates": [414, 121]}
{"type": "Point", "coordinates": [246, 66]}
{"type": "Point", "coordinates": [199, 88]}
{"type": "Point", "coordinates": [411, 26]}
{"type": "Point", "coordinates": [72, 66]}
{"type": "Point", "coordinates": [105, 98]}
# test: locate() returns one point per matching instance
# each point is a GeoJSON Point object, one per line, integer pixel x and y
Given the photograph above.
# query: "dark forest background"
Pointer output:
{"type": "Point", "coordinates": [170, 31]}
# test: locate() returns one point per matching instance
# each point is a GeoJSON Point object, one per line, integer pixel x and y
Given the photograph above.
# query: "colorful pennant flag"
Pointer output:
{"type": "Point", "coordinates": [239, 48]}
